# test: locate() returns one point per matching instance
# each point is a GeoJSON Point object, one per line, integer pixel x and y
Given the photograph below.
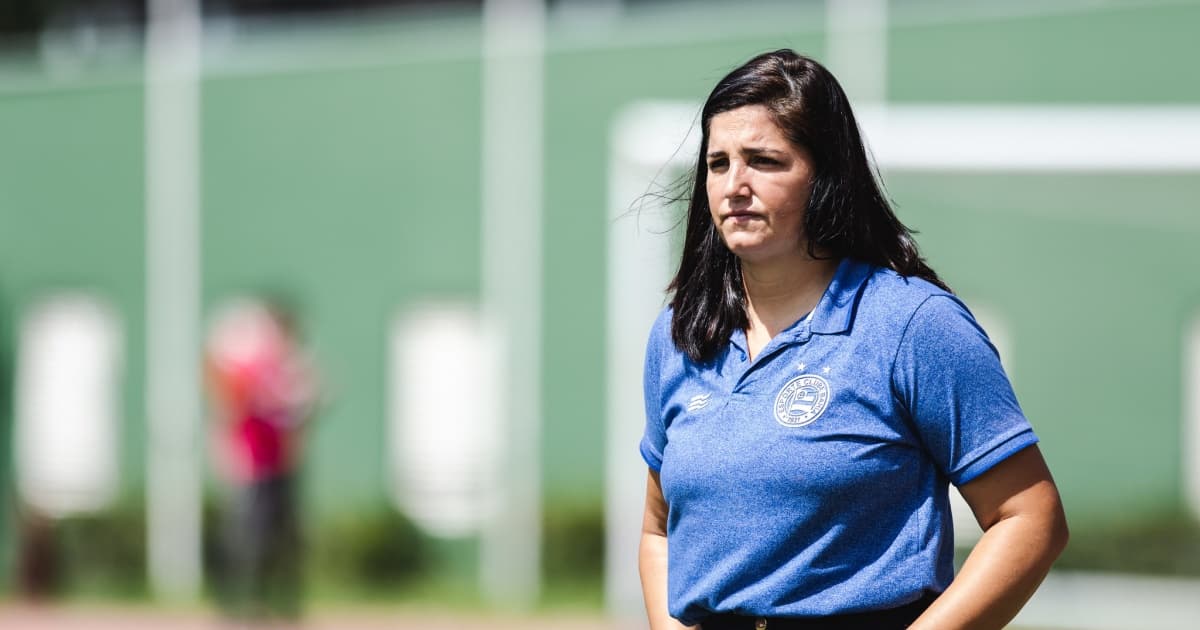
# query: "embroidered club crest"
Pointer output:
{"type": "Point", "coordinates": [802, 400]}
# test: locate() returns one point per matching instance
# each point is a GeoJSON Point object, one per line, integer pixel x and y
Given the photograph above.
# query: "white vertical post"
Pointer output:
{"type": "Point", "coordinates": [1191, 415]}
{"type": "Point", "coordinates": [511, 278]}
{"type": "Point", "coordinates": [857, 47]}
{"type": "Point", "coordinates": [172, 262]}
{"type": "Point", "coordinates": [647, 140]}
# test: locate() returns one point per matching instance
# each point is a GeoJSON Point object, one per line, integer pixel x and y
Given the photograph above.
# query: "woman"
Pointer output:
{"type": "Point", "coordinates": [813, 387]}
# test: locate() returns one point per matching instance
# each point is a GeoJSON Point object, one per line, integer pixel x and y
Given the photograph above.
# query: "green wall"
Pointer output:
{"type": "Point", "coordinates": [71, 189]}
{"type": "Point", "coordinates": [344, 167]}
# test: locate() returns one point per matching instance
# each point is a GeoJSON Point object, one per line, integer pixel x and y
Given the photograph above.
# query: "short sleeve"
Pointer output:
{"type": "Point", "coordinates": [948, 376]}
{"type": "Point", "coordinates": [654, 440]}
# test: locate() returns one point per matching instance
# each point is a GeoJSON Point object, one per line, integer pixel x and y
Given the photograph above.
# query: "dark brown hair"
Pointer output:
{"type": "Point", "coordinates": [847, 214]}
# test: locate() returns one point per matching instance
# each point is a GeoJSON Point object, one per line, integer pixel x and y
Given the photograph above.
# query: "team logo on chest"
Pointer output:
{"type": "Point", "coordinates": [802, 400]}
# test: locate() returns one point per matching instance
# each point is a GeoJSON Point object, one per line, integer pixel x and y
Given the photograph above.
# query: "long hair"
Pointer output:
{"type": "Point", "coordinates": [847, 215]}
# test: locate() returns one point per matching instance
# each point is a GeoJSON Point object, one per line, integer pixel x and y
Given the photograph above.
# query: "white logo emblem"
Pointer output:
{"type": "Point", "coordinates": [698, 402]}
{"type": "Point", "coordinates": [802, 400]}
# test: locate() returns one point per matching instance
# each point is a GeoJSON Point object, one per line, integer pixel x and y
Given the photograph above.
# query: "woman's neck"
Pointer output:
{"type": "Point", "coordinates": [780, 292]}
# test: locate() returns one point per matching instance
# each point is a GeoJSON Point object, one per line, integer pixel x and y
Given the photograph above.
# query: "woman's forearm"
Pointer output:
{"type": "Point", "coordinates": [1023, 536]}
{"type": "Point", "coordinates": [999, 576]}
{"type": "Point", "coordinates": [652, 564]}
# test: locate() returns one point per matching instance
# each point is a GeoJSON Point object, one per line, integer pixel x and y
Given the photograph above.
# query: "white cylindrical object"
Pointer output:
{"type": "Point", "coordinates": [68, 406]}
{"type": "Point", "coordinates": [511, 288]}
{"type": "Point", "coordinates": [651, 145]}
{"type": "Point", "coordinates": [444, 411]}
{"type": "Point", "coordinates": [173, 444]}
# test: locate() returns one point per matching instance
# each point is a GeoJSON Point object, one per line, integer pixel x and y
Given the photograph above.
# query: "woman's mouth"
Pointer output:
{"type": "Point", "coordinates": [742, 216]}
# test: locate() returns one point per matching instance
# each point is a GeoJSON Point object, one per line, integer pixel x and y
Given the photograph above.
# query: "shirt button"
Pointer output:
{"type": "Point", "coordinates": [760, 624]}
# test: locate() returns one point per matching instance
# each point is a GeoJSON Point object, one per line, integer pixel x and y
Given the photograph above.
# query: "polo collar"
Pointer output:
{"type": "Point", "coordinates": [833, 312]}
{"type": "Point", "coordinates": [835, 309]}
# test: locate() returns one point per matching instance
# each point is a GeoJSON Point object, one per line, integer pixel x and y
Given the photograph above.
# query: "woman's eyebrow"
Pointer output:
{"type": "Point", "coordinates": [760, 151]}
{"type": "Point", "coordinates": [747, 151]}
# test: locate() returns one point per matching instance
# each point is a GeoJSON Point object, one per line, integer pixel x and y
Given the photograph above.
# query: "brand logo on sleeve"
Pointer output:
{"type": "Point", "coordinates": [698, 402]}
{"type": "Point", "coordinates": [802, 400]}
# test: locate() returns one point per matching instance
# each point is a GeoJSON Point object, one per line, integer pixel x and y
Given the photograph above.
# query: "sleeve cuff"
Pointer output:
{"type": "Point", "coordinates": [996, 454]}
{"type": "Point", "coordinates": [652, 457]}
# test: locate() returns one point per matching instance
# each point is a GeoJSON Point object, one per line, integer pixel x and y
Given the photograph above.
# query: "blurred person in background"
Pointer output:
{"type": "Point", "coordinates": [263, 391]}
{"type": "Point", "coordinates": [813, 387]}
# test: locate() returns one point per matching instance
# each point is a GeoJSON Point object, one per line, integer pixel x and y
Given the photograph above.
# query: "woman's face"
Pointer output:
{"type": "Point", "coordinates": [758, 185]}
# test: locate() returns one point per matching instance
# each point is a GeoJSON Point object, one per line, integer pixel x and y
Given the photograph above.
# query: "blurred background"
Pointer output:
{"type": "Point", "coordinates": [454, 205]}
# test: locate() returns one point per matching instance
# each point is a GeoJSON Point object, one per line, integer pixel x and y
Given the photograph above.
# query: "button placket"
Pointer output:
{"type": "Point", "coordinates": [765, 357]}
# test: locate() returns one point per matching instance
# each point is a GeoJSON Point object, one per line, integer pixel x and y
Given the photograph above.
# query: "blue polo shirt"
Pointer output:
{"type": "Point", "coordinates": [813, 480]}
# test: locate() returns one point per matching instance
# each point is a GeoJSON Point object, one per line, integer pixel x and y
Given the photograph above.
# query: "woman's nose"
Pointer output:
{"type": "Point", "coordinates": [736, 184]}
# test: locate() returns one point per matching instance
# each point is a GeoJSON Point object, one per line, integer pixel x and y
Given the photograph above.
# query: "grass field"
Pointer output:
{"type": "Point", "coordinates": [109, 618]}
{"type": "Point", "coordinates": [102, 617]}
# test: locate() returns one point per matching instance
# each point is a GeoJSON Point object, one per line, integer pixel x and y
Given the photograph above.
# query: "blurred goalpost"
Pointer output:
{"type": "Point", "coordinates": [652, 141]}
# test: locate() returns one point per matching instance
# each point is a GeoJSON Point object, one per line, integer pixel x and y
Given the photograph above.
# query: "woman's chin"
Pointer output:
{"type": "Point", "coordinates": [743, 245]}
{"type": "Point", "coordinates": [752, 251]}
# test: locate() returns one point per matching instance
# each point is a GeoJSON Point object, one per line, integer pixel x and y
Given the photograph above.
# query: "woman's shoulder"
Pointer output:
{"type": "Point", "coordinates": [663, 357]}
{"type": "Point", "coordinates": [900, 287]}
{"type": "Point", "coordinates": [900, 297]}
{"type": "Point", "coordinates": [660, 331]}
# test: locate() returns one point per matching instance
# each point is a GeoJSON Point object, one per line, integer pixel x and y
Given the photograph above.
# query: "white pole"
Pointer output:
{"type": "Point", "coordinates": [172, 298]}
{"type": "Point", "coordinates": [647, 139]}
{"type": "Point", "coordinates": [856, 51]}
{"type": "Point", "coordinates": [511, 278]}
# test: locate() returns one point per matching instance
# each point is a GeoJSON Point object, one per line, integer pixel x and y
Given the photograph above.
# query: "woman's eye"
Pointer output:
{"type": "Point", "coordinates": [766, 161]}
{"type": "Point", "coordinates": [717, 164]}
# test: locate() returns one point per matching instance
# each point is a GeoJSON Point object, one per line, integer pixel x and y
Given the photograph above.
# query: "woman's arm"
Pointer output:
{"type": "Point", "coordinates": [652, 557]}
{"type": "Point", "coordinates": [1018, 507]}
